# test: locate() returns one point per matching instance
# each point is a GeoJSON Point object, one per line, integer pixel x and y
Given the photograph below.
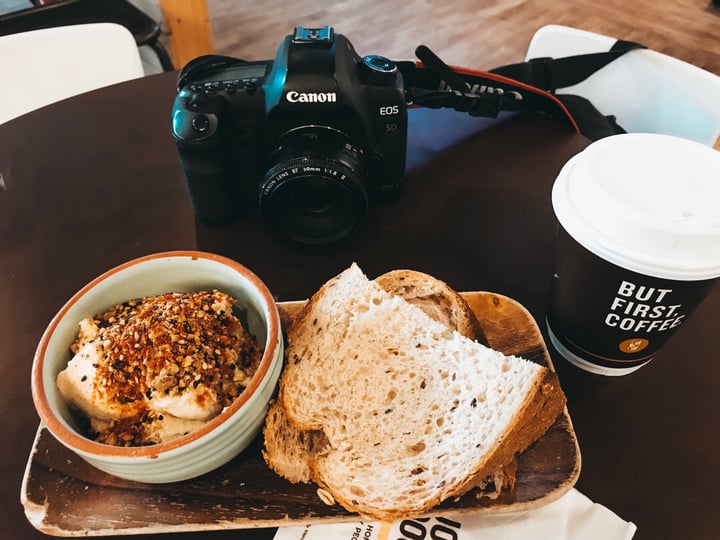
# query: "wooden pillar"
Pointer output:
{"type": "Point", "coordinates": [190, 33]}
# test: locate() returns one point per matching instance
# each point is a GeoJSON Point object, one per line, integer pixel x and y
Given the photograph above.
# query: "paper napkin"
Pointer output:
{"type": "Point", "coordinates": [572, 517]}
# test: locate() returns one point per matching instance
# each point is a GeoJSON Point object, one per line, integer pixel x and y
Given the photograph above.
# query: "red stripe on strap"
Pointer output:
{"type": "Point", "coordinates": [529, 88]}
{"type": "Point", "coordinates": [513, 82]}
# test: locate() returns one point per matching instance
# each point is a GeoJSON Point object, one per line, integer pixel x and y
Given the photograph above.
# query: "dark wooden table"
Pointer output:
{"type": "Point", "coordinates": [94, 181]}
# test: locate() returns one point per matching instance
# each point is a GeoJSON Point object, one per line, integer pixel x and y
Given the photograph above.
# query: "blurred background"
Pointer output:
{"type": "Point", "coordinates": [475, 34]}
{"type": "Point", "coordinates": [468, 33]}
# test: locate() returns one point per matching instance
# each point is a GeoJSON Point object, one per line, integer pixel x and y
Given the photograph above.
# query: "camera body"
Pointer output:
{"type": "Point", "coordinates": [311, 138]}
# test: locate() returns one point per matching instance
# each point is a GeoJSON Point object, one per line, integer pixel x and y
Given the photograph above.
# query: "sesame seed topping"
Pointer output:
{"type": "Point", "coordinates": [164, 345]}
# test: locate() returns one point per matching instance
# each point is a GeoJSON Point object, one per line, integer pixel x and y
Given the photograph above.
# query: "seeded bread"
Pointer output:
{"type": "Point", "coordinates": [436, 298]}
{"type": "Point", "coordinates": [288, 451]}
{"type": "Point", "coordinates": [411, 415]}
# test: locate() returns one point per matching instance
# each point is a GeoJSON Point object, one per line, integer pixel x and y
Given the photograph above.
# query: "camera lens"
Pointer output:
{"type": "Point", "coordinates": [314, 191]}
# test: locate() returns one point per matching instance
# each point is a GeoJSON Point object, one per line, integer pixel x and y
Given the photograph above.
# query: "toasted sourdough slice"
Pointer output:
{"type": "Point", "coordinates": [412, 416]}
{"type": "Point", "coordinates": [436, 298]}
{"type": "Point", "coordinates": [288, 451]}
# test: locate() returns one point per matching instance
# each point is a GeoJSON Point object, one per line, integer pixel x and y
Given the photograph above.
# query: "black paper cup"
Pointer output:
{"type": "Point", "coordinates": [638, 248]}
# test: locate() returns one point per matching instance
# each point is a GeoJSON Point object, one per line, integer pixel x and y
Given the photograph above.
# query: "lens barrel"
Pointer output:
{"type": "Point", "coordinates": [315, 189]}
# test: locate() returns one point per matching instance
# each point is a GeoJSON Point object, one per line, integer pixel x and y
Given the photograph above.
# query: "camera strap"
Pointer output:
{"type": "Point", "coordinates": [526, 86]}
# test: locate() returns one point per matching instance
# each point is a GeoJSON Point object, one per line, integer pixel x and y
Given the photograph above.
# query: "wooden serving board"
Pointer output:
{"type": "Point", "coordinates": [64, 496]}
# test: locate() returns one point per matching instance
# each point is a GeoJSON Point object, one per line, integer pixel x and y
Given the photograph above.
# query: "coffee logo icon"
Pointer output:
{"type": "Point", "coordinates": [631, 346]}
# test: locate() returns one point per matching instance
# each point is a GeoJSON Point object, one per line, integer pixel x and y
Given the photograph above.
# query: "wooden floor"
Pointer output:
{"type": "Point", "coordinates": [479, 34]}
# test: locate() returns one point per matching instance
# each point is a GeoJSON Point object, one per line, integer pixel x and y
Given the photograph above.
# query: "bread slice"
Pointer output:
{"type": "Point", "coordinates": [436, 298]}
{"type": "Point", "coordinates": [289, 451]}
{"type": "Point", "coordinates": [411, 415]}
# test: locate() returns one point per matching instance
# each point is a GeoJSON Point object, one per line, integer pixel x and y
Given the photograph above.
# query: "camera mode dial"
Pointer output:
{"type": "Point", "coordinates": [379, 70]}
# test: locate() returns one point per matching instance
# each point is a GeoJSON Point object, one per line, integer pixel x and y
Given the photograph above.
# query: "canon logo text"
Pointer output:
{"type": "Point", "coordinates": [311, 97]}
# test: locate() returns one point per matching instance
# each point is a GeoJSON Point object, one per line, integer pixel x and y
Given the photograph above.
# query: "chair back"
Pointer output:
{"type": "Point", "coordinates": [41, 67]}
{"type": "Point", "coordinates": [647, 91]}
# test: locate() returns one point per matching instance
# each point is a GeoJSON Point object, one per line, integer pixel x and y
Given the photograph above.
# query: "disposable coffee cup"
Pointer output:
{"type": "Point", "coordinates": [638, 248]}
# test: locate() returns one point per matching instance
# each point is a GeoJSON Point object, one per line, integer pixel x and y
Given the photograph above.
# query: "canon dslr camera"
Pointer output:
{"type": "Point", "coordinates": [311, 138]}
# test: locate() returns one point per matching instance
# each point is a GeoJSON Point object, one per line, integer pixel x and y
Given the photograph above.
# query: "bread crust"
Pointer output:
{"type": "Point", "coordinates": [300, 445]}
{"type": "Point", "coordinates": [537, 414]}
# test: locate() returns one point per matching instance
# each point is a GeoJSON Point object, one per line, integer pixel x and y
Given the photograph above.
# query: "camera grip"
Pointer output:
{"type": "Point", "coordinates": [210, 182]}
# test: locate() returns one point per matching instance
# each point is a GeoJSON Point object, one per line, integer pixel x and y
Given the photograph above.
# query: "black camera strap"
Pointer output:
{"type": "Point", "coordinates": [525, 86]}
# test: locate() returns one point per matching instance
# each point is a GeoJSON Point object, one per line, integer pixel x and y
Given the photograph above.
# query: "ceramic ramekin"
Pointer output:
{"type": "Point", "coordinates": [201, 450]}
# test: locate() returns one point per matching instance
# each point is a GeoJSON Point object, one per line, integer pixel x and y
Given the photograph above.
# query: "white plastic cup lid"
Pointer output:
{"type": "Point", "coordinates": [646, 202]}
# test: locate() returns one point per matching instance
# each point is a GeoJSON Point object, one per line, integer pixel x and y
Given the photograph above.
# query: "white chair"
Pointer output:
{"type": "Point", "coordinates": [647, 91]}
{"type": "Point", "coordinates": [41, 67]}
